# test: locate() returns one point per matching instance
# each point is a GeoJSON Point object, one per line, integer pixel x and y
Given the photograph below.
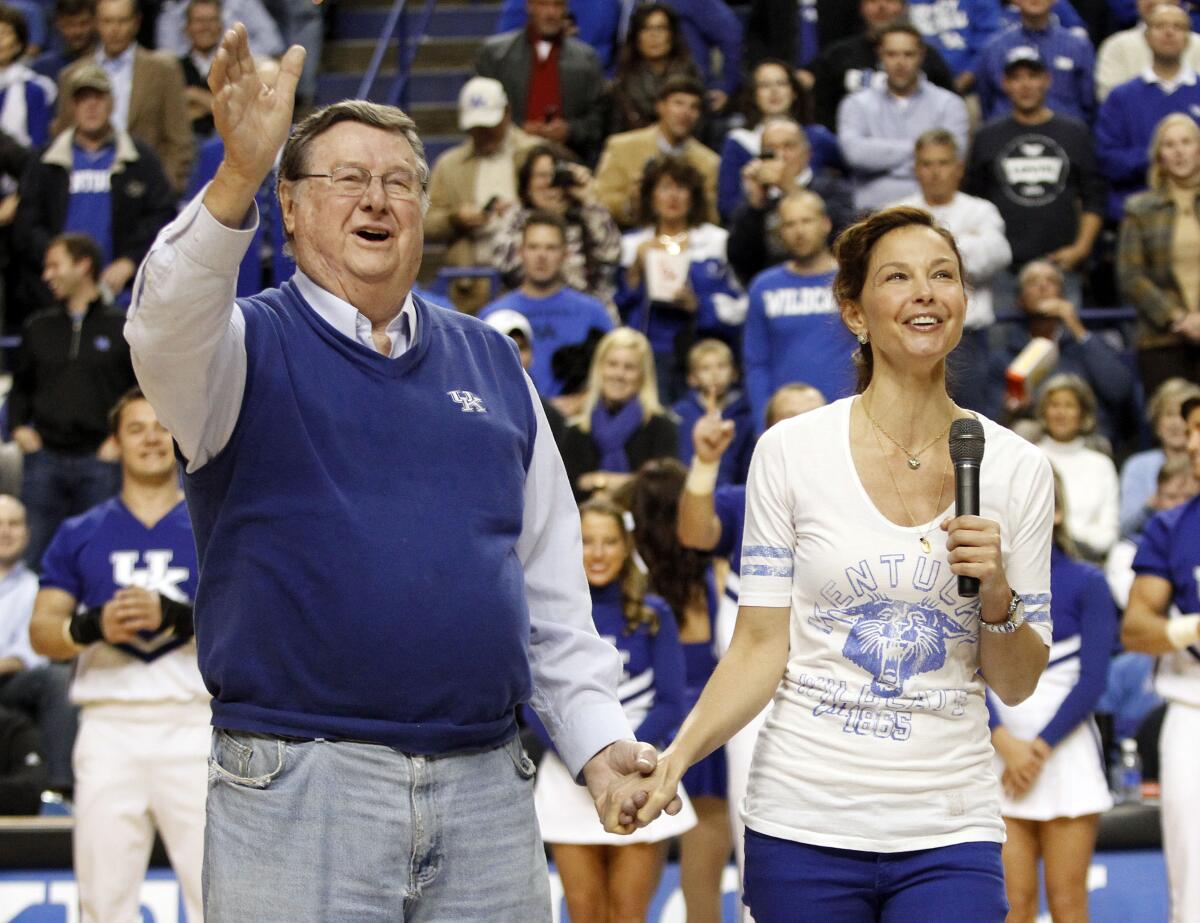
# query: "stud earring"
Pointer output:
{"type": "Point", "coordinates": [862, 337]}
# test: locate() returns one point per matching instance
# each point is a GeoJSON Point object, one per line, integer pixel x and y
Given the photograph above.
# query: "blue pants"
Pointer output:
{"type": "Point", "coordinates": [57, 485]}
{"type": "Point", "coordinates": [788, 882]}
{"type": "Point", "coordinates": [301, 831]}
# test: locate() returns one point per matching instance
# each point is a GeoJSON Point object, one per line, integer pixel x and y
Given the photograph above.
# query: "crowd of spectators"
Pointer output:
{"type": "Point", "coordinates": [644, 199]}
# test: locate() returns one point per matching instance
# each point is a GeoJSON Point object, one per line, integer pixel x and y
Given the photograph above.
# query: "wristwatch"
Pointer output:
{"type": "Point", "coordinates": [1016, 618]}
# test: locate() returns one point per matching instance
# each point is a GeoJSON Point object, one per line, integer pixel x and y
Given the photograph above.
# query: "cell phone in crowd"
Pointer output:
{"type": "Point", "coordinates": [564, 176]}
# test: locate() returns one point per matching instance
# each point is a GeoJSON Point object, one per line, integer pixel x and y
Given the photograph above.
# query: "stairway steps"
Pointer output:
{"type": "Point", "coordinates": [363, 20]}
{"type": "Point", "coordinates": [355, 54]}
{"type": "Point", "coordinates": [428, 88]}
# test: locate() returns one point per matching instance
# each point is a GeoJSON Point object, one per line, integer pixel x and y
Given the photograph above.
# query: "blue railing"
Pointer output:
{"type": "Point", "coordinates": [396, 27]}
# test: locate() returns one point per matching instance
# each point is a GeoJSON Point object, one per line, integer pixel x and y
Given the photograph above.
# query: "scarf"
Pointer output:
{"type": "Point", "coordinates": [610, 432]}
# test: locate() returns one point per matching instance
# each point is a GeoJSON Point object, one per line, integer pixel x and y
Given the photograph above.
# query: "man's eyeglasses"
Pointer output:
{"type": "Point", "coordinates": [352, 182]}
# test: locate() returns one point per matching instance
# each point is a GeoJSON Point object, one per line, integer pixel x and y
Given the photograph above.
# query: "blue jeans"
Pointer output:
{"type": "Point", "coordinates": [301, 831]}
{"type": "Point", "coordinates": [57, 485]}
{"type": "Point", "coordinates": [789, 882]}
{"type": "Point", "coordinates": [42, 693]}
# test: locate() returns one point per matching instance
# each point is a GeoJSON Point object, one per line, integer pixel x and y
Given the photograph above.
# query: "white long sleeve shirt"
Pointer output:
{"type": "Point", "coordinates": [187, 339]}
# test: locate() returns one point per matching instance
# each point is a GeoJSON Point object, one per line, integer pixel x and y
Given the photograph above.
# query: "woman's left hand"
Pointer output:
{"type": "Point", "coordinates": [974, 546]}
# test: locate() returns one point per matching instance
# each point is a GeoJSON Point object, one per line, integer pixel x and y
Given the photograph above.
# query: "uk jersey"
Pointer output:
{"type": "Point", "coordinates": [1170, 549]}
{"type": "Point", "coordinates": [94, 555]}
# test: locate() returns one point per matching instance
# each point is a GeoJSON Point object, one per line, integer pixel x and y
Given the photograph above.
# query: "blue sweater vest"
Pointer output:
{"type": "Point", "coordinates": [357, 536]}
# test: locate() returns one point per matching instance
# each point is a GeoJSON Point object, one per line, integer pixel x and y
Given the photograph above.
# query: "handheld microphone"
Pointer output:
{"type": "Point", "coordinates": [966, 452]}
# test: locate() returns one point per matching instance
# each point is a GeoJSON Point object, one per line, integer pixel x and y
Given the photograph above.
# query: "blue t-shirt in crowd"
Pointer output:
{"type": "Point", "coordinates": [89, 207]}
{"type": "Point", "coordinates": [107, 548]}
{"type": "Point", "coordinates": [561, 319]}
{"type": "Point", "coordinates": [794, 333]}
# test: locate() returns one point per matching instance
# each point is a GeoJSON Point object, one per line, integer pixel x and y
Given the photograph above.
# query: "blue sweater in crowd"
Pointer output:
{"type": "Point", "coordinates": [1068, 55]}
{"type": "Point", "coordinates": [735, 463]}
{"type": "Point", "coordinates": [561, 319]}
{"type": "Point", "coordinates": [361, 582]}
{"type": "Point", "coordinates": [1126, 124]}
{"type": "Point", "coordinates": [794, 333]}
{"type": "Point", "coordinates": [958, 29]}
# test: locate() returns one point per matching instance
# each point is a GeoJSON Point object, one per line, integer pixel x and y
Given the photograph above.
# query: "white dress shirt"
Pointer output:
{"type": "Point", "coordinates": [187, 338]}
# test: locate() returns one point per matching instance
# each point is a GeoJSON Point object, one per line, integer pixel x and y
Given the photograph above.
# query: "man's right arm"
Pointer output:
{"type": "Point", "coordinates": [186, 335]}
{"type": "Point", "coordinates": [48, 629]}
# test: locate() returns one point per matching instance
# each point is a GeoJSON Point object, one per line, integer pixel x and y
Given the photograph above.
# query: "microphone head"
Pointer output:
{"type": "Point", "coordinates": [966, 441]}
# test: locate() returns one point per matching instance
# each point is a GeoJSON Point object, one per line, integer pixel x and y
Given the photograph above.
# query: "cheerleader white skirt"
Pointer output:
{"type": "Point", "coordinates": [567, 814]}
{"type": "Point", "coordinates": [1073, 782]}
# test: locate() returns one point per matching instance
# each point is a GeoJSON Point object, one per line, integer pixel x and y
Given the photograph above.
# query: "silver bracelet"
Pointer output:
{"type": "Point", "coordinates": [1015, 619]}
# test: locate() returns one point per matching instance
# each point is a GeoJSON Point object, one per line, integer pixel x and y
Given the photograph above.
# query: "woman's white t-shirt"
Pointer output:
{"type": "Point", "coordinates": [879, 740]}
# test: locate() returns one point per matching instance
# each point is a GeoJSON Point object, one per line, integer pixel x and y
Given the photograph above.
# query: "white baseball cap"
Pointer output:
{"type": "Point", "coordinates": [481, 103]}
{"type": "Point", "coordinates": [508, 322]}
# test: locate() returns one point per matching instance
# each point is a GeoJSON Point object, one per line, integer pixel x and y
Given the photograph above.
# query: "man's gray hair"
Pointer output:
{"type": "Point", "coordinates": [937, 137]}
{"type": "Point", "coordinates": [785, 120]}
{"type": "Point", "coordinates": [293, 164]}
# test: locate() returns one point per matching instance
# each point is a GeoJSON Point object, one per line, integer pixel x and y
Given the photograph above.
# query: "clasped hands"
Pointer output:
{"type": "Point", "coordinates": [631, 785]}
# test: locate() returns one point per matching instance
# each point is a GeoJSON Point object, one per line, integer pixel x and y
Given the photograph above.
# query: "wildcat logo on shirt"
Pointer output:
{"type": "Point", "coordinates": [158, 576]}
{"type": "Point", "coordinates": [894, 639]}
{"type": "Point", "coordinates": [468, 401]}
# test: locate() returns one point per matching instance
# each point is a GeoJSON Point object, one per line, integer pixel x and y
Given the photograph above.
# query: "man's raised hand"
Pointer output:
{"type": "Point", "coordinates": [253, 115]}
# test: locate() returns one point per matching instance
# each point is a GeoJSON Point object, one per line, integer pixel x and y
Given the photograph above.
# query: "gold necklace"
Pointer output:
{"type": "Point", "coordinates": [673, 243]}
{"type": "Point", "coordinates": [914, 458]}
{"type": "Point", "coordinates": [924, 539]}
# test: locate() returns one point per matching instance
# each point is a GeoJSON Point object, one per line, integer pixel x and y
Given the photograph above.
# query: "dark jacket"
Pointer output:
{"type": "Point", "coordinates": [847, 65]}
{"type": "Point", "coordinates": [754, 243]}
{"type": "Point", "coordinates": [657, 438]}
{"type": "Point", "coordinates": [22, 770]}
{"type": "Point", "coordinates": [66, 379]}
{"type": "Point", "coordinates": [507, 58]}
{"type": "Point", "coordinates": [142, 201]}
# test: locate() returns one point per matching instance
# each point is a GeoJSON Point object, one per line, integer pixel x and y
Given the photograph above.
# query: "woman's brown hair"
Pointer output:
{"type": "Point", "coordinates": [853, 250]}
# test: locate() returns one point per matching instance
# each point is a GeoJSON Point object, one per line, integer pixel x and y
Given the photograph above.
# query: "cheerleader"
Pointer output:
{"type": "Point", "coordinates": [1163, 618]}
{"type": "Point", "coordinates": [607, 877]}
{"type": "Point", "coordinates": [688, 581]}
{"type": "Point", "coordinates": [1049, 756]}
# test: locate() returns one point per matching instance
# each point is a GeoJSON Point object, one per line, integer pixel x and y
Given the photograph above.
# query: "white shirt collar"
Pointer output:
{"type": "Point", "coordinates": [120, 62]}
{"type": "Point", "coordinates": [346, 319]}
{"type": "Point", "coordinates": [1185, 78]}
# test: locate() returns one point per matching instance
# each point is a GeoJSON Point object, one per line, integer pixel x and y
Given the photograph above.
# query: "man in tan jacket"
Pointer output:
{"type": "Point", "coordinates": [148, 94]}
{"type": "Point", "coordinates": [680, 103]}
{"type": "Point", "coordinates": [474, 183]}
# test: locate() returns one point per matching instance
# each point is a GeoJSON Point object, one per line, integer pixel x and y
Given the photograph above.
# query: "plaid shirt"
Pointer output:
{"type": "Point", "coordinates": [1144, 268]}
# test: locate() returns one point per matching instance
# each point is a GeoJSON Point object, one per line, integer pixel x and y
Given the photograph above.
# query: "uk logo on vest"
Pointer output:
{"type": "Point", "coordinates": [467, 401]}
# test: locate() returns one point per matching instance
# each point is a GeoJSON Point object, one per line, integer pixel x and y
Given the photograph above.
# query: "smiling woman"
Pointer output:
{"type": "Point", "coordinates": [622, 425]}
{"type": "Point", "coordinates": [852, 623]}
